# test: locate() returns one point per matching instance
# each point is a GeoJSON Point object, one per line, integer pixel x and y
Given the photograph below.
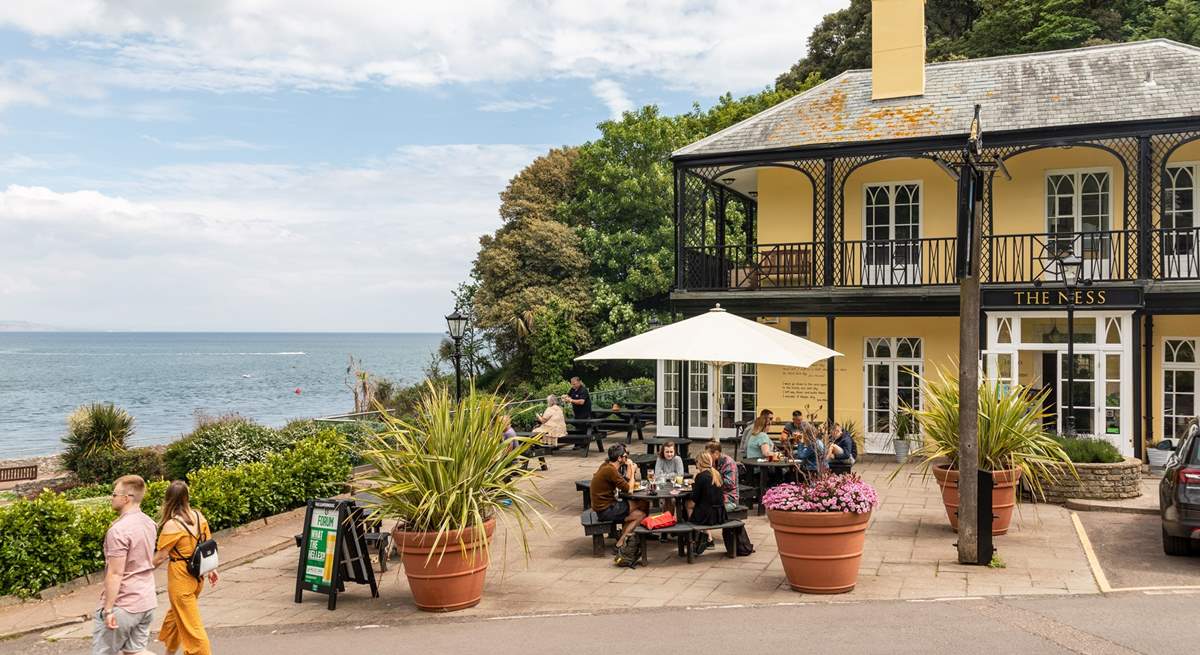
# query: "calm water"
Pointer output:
{"type": "Point", "coordinates": [164, 379]}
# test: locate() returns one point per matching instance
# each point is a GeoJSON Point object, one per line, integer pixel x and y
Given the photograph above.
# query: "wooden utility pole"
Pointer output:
{"type": "Point", "coordinates": [968, 381]}
{"type": "Point", "coordinates": [970, 236]}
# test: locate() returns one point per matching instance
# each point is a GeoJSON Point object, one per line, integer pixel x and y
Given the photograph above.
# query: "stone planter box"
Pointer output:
{"type": "Point", "coordinates": [1098, 482]}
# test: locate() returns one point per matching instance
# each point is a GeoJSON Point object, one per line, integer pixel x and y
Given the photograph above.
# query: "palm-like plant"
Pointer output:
{"type": "Point", "coordinates": [450, 469]}
{"type": "Point", "coordinates": [94, 428]}
{"type": "Point", "coordinates": [1011, 435]}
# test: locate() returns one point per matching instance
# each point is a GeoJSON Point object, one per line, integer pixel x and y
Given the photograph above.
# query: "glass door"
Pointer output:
{"type": "Point", "coordinates": [1178, 233]}
{"type": "Point", "coordinates": [698, 375]}
{"type": "Point", "coordinates": [1083, 394]}
{"type": "Point", "coordinates": [891, 233]}
{"type": "Point", "coordinates": [668, 398]}
{"type": "Point", "coordinates": [892, 376]}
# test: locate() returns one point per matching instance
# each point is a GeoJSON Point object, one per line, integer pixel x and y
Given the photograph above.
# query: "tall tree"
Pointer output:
{"type": "Point", "coordinates": [540, 189]}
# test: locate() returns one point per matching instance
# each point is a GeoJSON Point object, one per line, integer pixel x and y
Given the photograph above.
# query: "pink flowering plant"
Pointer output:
{"type": "Point", "coordinates": [831, 493]}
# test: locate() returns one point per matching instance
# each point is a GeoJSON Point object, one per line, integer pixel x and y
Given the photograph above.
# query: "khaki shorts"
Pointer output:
{"type": "Point", "coordinates": [131, 635]}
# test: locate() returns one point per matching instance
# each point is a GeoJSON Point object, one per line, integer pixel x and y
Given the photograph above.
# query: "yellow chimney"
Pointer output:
{"type": "Point", "coordinates": [897, 48]}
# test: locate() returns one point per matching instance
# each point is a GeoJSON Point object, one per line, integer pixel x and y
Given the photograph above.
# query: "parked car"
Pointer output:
{"type": "Point", "coordinates": [1179, 495]}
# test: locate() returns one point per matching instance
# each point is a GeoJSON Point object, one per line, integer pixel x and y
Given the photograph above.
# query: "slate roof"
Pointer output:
{"type": "Point", "coordinates": [1144, 80]}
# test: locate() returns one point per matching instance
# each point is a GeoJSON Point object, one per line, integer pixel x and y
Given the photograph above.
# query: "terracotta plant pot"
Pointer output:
{"type": "Point", "coordinates": [453, 583]}
{"type": "Point", "coordinates": [1004, 496]}
{"type": "Point", "coordinates": [820, 551]}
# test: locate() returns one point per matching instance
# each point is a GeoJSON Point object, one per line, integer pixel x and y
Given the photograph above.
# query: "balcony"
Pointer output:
{"type": "Point", "coordinates": [1108, 256]}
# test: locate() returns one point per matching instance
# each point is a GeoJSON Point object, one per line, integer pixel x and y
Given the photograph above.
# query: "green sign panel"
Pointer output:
{"type": "Point", "coordinates": [322, 545]}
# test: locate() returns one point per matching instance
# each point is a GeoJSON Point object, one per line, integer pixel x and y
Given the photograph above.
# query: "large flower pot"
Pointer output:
{"type": "Point", "coordinates": [820, 551]}
{"type": "Point", "coordinates": [1004, 496]}
{"type": "Point", "coordinates": [900, 448]}
{"type": "Point", "coordinates": [449, 581]}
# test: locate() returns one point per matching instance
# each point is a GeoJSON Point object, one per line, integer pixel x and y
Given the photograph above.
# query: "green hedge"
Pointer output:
{"type": "Point", "coordinates": [49, 540]}
{"type": "Point", "coordinates": [226, 442]}
{"type": "Point", "coordinates": [1082, 450]}
{"type": "Point", "coordinates": [104, 466]}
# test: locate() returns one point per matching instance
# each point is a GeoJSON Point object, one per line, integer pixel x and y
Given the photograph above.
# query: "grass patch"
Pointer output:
{"type": "Point", "coordinates": [997, 563]}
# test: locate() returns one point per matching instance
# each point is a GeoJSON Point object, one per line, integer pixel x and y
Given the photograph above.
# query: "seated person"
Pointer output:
{"type": "Point", "coordinates": [607, 480]}
{"type": "Point", "coordinates": [708, 500]}
{"type": "Point", "coordinates": [848, 450]}
{"type": "Point", "coordinates": [793, 429]}
{"type": "Point", "coordinates": [668, 465]}
{"type": "Point", "coordinates": [813, 454]}
{"type": "Point", "coordinates": [759, 444]}
{"type": "Point", "coordinates": [729, 473]}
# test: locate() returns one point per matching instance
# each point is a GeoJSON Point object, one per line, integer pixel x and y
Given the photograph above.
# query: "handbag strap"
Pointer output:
{"type": "Point", "coordinates": [175, 546]}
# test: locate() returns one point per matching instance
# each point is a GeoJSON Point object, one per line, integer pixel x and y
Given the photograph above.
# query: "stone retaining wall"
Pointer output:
{"type": "Point", "coordinates": [1098, 482]}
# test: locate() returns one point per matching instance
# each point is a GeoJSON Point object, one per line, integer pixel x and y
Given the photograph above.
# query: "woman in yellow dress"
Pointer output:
{"type": "Point", "coordinates": [181, 529]}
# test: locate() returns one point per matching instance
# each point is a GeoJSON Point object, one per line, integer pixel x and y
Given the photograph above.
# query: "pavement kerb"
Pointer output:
{"type": "Point", "coordinates": [66, 587]}
{"type": "Point", "coordinates": [1089, 505]}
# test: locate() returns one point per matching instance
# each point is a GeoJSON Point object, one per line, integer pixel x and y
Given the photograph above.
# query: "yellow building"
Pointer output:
{"type": "Point", "coordinates": [835, 213]}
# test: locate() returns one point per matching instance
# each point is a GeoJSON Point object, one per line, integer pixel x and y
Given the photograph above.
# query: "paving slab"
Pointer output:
{"type": "Point", "coordinates": [909, 553]}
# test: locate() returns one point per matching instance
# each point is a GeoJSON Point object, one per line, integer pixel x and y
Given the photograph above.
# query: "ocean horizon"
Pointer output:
{"type": "Point", "coordinates": [165, 380]}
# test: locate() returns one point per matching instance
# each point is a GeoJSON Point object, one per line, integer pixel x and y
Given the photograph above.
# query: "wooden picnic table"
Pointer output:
{"type": "Point", "coordinates": [622, 419]}
{"type": "Point", "coordinates": [786, 465]}
{"type": "Point", "coordinates": [584, 431]}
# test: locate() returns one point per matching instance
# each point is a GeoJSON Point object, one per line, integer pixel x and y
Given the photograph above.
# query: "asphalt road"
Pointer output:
{"type": "Point", "coordinates": [1132, 622]}
{"type": "Point", "coordinates": [1129, 547]}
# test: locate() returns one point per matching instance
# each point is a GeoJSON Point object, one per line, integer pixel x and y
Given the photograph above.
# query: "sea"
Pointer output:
{"type": "Point", "coordinates": [166, 380]}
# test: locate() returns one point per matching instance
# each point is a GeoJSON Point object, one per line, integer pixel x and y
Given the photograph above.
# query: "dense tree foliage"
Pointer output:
{"type": "Point", "coordinates": [956, 29]}
{"type": "Point", "coordinates": [585, 253]}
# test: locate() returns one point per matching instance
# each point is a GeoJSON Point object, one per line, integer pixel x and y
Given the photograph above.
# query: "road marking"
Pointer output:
{"type": "Point", "coordinates": [1178, 590]}
{"type": "Point", "coordinates": [1093, 561]}
{"type": "Point", "coordinates": [943, 600]}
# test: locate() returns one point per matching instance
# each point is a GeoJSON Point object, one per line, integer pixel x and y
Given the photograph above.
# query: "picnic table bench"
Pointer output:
{"type": "Point", "coordinates": [629, 421]}
{"type": "Point", "coordinates": [598, 529]}
{"type": "Point", "coordinates": [689, 530]}
{"type": "Point", "coordinates": [582, 432]}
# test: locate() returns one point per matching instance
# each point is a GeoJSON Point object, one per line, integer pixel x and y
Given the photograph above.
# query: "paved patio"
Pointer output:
{"type": "Point", "coordinates": [909, 554]}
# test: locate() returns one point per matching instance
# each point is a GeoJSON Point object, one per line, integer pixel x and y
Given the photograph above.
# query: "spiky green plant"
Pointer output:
{"type": "Point", "coordinates": [94, 428]}
{"type": "Point", "coordinates": [1010, 431]}
{"type": "Point", "coordinates": [449, 468]}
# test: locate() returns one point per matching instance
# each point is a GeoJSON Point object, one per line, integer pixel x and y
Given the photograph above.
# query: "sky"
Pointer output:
{"type": "Point", "coordinates": [262, 165]}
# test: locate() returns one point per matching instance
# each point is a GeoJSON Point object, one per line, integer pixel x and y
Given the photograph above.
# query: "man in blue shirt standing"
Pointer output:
{"type": "Point", "coordinates": [581, 401]}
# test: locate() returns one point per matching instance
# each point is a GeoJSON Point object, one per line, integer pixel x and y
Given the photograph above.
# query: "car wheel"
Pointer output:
{"type": "Point", "coordinates": [1175, 545]}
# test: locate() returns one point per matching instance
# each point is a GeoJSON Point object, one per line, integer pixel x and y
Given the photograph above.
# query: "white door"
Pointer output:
{"type": "Point", "coordinates": [892, 232]}
{"type": "Point", "coordinates": [891, 375]}
{"type": "Point", "coordinates": [1078, 220]}
{"type": "Point", "coordinates": [737, 397]}
{"type": "Point", "coordinates": [1177, 238]}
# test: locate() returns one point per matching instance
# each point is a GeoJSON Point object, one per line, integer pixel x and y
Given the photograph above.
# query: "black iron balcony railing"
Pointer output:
{"type": "Point", "coordinates": [1108, 256]}
{"type": "Point", "coordinates": [901, 262]}
{"type": "Point", "coordinates": [1175, 255]}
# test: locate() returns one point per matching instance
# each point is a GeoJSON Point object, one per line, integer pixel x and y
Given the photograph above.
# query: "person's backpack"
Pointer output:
{"type": "Point", "coordinates": [740, 540]}
{"type": "Point", "coordinates": [204, 558]}
{"type": "Point", "coordinates": [630, 555]}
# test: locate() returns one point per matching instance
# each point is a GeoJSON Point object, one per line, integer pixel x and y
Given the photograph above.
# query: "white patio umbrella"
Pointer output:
{"type": "Point", "coordinates": [717, 338]}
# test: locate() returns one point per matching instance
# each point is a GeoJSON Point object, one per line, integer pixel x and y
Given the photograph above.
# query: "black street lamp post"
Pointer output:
{"type": "Point", "coordinates": [457, 323]}
{"type": "Point", "coordinates": [1069, 268]}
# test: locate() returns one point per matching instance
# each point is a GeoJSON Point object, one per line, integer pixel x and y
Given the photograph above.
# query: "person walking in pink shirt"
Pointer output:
{"type": "Point", "coordinates": [127, 602]}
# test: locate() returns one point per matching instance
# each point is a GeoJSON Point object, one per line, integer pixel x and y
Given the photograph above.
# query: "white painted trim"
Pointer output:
{"type": "Point", "coordinates": [881, 442]}
{"type": "Point", "coordinates": [892, 222]}
{"type": "Point", "coordinates": [1077, 172]}
{"type": "Point", "coordinates": [1163, 366]}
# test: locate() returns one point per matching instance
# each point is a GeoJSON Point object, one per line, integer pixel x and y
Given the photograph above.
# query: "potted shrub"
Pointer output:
{"type": "Point", "coordinates": [446, 475]}
{"type": "Point", "coordinates": [1012, 443]}
{"type": "Point", "coordinates": [820, 527]}
{"type": "Point", "coordinates": [902, 429]}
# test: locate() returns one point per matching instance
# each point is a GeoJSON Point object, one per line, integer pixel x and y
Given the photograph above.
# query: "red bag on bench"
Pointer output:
{"type": "Point", "coordinates": [656, 521]}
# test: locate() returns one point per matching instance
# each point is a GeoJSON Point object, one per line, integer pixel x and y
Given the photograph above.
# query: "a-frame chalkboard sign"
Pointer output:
{"type": "Point", "coordinates": [333, 550]}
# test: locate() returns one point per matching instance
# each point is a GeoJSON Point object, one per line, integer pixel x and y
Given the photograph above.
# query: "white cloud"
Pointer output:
{"type": "Point", "coordinates": [707, 46]}
{"type": "Point", "coordinates": [613, 97]}
{"type": "Point", "coordinates": [273, 246]}
{"type": "Point", "coordinates": [515, 105]}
